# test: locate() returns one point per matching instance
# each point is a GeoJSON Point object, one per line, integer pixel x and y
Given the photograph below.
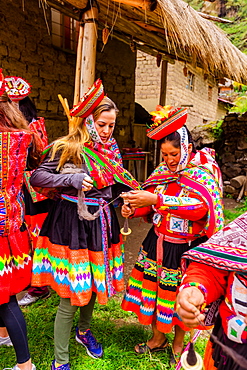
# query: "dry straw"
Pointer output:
{"type": "Point", "coordinates": [189, 33]}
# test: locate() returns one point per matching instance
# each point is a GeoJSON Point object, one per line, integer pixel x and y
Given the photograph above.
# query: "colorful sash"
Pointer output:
{"type": "Point", "coordinates": [13, 156]}
{"type": "Point", "coordinates": [105, 221]}
{"type": "Point", "coordinates": [201, 176]}
{"type": "Point", "coordinates": [106, 171]}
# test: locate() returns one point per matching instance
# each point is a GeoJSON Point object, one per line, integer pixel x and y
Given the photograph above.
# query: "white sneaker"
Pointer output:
{"type": "Point", "coordinates": [17, 368]}
{"type": "Point", "coordinates": [5, 341]}
{"type": "Point", "coordinates": [27, 299]}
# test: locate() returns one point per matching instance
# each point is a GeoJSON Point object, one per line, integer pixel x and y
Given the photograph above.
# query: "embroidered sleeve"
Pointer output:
{"type": "Point", "coordinates": [210, 278]}
{"type": "Point", "coordinates": [185, 207]}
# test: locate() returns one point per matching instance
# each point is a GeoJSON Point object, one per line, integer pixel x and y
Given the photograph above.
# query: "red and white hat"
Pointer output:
{"type": "Point", "coordinates": [166, 119]}
{"type": "Point", "coordinates": [89, 101]}
{"type": "Point", "coordinates": [17, 88]}
{"type": "Point", "coordinates": [2, 83]}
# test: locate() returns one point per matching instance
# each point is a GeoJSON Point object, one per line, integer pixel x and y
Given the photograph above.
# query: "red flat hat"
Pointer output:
{"type": "Point", "coordinates": [2, 83]}
{"type": "Point", "coordinates": [89, 101]}
{"type": "Point", "coordinates": [165, 124]}
{"type": "Point", "coordinates": [17, 88]}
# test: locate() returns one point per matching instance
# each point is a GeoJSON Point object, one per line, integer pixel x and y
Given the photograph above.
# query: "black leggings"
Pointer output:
{"type": "Point", "coordinates": [12, 317]}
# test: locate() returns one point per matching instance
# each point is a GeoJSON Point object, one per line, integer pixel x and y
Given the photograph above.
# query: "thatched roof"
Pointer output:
{"type": "Point", "coordinates": [173, 29]}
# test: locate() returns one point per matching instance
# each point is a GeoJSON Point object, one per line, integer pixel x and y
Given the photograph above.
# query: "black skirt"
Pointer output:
{"type": "Point", "coordinates": [62, 226]}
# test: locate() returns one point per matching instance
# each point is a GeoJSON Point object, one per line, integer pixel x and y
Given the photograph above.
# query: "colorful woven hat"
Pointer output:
{"type": "Point", "coordinates": [89, 101]}
{"type": "Point", "coordinates": [166, 119]}
{"type": "Point", "coordinates": [2, 83]}
{"type": "Point", "coordinates": [17, 88]}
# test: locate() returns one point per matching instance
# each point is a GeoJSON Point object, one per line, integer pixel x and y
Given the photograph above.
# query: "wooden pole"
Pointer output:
{"type": "Point", "coordinates": [88, 60]}
{"type": "Point", "coordinates": [78, 66]}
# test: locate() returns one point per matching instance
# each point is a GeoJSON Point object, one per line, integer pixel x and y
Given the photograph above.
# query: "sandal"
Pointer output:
{"type": "Point", "coordinates": [142, 348]}
{"type": "Point", "coordinates": [175, 357]}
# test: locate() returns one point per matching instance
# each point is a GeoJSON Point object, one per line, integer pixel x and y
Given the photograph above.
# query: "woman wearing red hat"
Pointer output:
{"type": "Point", "coordinates": [36, 205]}
{"type": "Point", "coordinates": [16, 142]}
{"type": "Point", "coordinates": [183, 198]}
{"type": "Point", "coordinates": [79, 251]}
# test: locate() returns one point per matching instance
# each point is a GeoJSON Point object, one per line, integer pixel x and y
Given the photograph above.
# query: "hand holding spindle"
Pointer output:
{"type": "Point", "coordinates": [125, 229]}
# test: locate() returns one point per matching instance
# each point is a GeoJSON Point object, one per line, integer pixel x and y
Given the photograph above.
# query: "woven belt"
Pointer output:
{"type": "Point", "coordinates": [105, 221]}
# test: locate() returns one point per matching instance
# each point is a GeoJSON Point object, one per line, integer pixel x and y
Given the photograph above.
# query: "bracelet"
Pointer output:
{"type": "Point", "coordinates": [159, 201]}
{"type": "Point", "coordinates": [199, 286]}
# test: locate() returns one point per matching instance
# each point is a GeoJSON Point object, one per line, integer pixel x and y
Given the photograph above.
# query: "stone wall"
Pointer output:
{"type": "Point", "coordinates": [232, 152]}
{"type": "Point", "coordinates": [148, 80]}
{"type": "Point", "coordinates": [26, 50]}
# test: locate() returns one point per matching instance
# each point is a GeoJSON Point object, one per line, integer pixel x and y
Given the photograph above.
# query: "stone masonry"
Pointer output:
{"type": "Point", "coordinates": [232, 153]}
{"type": "Point", "coordinates": [26, 50]}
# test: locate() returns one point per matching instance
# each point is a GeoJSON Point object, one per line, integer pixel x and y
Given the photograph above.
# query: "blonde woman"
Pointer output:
{"type": "Point", "coordinates": [79, 248]}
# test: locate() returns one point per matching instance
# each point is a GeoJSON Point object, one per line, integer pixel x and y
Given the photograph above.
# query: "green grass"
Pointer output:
{"type": "Point", "coordinates": [230, 215]}
{"type": "Point", "coordinates": [116, 329]}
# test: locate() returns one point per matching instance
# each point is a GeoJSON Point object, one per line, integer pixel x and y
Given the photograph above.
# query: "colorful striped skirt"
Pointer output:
{"type": "Point", "coordinates": [150, 295]}
{"type": "Point", "coordinates": [15, 264]}
{"type": "Point", "coordinates": [77, 257]}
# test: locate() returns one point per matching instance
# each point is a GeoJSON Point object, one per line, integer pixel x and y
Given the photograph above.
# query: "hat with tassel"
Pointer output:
{"type": "Point", "coordinates": [89, 101]}
{"type": "Point", "coordinates": [166, 120]}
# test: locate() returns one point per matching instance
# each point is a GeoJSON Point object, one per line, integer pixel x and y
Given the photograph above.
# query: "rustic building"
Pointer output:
{"type": "Point", "coordinates": [31, 54]}
{"type": "Point", "coordinates": [39, 42]}
{"type": "Point", "coordinates": [184, 86]}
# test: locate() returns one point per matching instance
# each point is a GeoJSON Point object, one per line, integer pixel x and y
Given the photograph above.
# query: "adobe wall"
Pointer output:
{"type": "Point", "coordinates": [26, 50]}
{"type": "Point", "coordinates": [148, 77]}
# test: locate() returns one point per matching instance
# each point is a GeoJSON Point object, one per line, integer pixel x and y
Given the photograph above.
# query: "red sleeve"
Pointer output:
{"type": "Point", "coordinates": [142, 212]}
{"type": "Point", "coordinates": [214, 280]}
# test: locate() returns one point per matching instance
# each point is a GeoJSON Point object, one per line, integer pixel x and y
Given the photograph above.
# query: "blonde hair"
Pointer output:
{"type": "Point", "coordinates": [72, 144]}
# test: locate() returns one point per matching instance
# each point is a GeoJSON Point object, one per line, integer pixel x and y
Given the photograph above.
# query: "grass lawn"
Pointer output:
{"type": "Point", "coordinates": [116, 329]}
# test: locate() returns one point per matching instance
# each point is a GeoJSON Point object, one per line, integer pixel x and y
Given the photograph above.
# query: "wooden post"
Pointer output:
{"type": "Point", "coordinates": [78, 66]}
{"type": "Point", "coordinates": [88, 60]}
{"type": "Point", "coordinates": [162, 101]}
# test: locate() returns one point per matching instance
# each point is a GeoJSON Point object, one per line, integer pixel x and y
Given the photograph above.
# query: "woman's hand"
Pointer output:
{"type": "Point", "coordinates": [189, 301]}
{"type": "Point", "coordinates": [140, 198]}
{"type": "Point", "coordinates": [87, 183]}
{"type": "Point", "coordinates": [127, 211]}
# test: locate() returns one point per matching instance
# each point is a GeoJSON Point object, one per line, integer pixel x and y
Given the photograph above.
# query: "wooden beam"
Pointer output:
{"type": "Point", "coordinates": [78, 66]}
{"type": "Point", "coordinates": [89, 49]}
{"type": "Point", "coordinates": [80, 4]}
{"type": "Point", "coordinates": [163, 82]}
{"type": "Point", "coordinates": [142, 4]}
{"type": "Point", "coordinates": [63, 9]}
{"type": "Point", "coordinates": [213, 18]}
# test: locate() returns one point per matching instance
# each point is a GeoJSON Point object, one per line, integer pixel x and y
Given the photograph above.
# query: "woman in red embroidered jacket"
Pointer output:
{"type": "Point", "coordinates": [36, 205]}
{"type": "Point", "coordinates": [183, 197]}
{"type": "Point", "coordinates": [16, 142]}
{"type": "Point", "coordinates": [218, 268]}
